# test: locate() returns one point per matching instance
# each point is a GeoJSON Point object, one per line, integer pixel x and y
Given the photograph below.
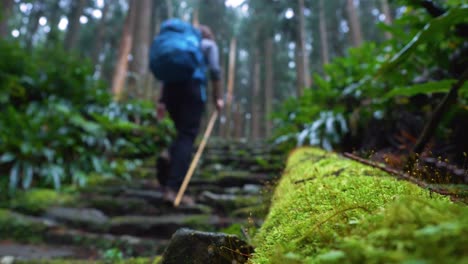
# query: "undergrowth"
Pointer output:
{"type": "Point", "coordinates": [328, 209]}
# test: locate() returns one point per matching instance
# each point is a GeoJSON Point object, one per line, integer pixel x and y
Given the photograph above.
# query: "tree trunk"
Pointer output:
{"type": "Point", "coordinates": [255, 134]}
{"type": "Point", "coordinates": [54, 33]}
{"type": "Point", "coordinates": [120, 73]}
{"type": "Point", "coordinates": [7, 6]}
{"type": "Point", "coordinates": [74, 24]}
{"type": "Point", "coordinates": [268, 85]}
{"type": "Point", "coordinates": [354, 24]}
{"type": "Point", "coordinates": [323, 34]}
{"type": "Point", "coordinates": [238, 121]}
{"type": "Point", "coordinates": [98, 41]}
{"type": "Point", "coordinates": [230, 85]}
{"type": "Point", "coordinates": [33, 22]}
{"type": "Point", "coordinates": [388, 16]}
{"type": "Point", "coordinates": [170, 9]}
{"type": "Point", "coordinates": [302, 57]}
{"type": "Point", "coordinates": [142, 37]}
{"type": "Point", "coordinates": [142, 41]}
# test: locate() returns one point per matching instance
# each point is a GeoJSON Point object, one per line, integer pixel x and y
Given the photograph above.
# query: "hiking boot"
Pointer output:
{"type": "Point", "coordinates": [163, 167]}
{"type": "Point", "coordinates": [169, 195]}
{"type": "Point", "coordinates": [187, 200]}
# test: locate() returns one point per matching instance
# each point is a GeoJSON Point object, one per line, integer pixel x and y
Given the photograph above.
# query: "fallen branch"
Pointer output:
{"type": "Point", "coordinates": [398, 174]}
{"type": "Point", "coordinates": [382, 167]}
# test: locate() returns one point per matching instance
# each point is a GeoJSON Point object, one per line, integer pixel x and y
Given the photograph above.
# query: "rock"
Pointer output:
{"type": "Point", "coordinates": [114, 206]}
{"type": "Point", "coordinates": [135, 245]}
{"type": "Point", "coordinates": [79, 217]}
{"type": "Point", "coordinates": [159, 226]}
{"type": "Point", "coordinates": [19, 252]}
{"type": "Point", "coordinates": [7, 260]}
{"type": "Point", "coordinates": [153, 197]}
{"type": "Point", "coordinates": [228, 202]}
{"type": "Point", "coordinates": [189, 246]}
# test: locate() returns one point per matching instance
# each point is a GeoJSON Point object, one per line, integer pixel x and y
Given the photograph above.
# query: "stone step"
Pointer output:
{"type": "Point", "coordinates": [24, 252]}
{"type": "Point", "coordinates": [133, 246]}
{"type": "Point", "coordinates": [165, 225]}
{"type": "Point", "coordinates": [229, 202]}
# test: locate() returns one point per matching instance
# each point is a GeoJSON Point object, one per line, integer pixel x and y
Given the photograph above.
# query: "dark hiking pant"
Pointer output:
{"type": "Point", "coordinates": [185, 106]}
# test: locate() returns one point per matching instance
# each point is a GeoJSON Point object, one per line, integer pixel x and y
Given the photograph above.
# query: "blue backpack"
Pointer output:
{"type": "Point", "coordinates": [176, 52]}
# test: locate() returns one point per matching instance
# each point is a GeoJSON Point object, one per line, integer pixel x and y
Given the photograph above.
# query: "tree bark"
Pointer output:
{"type": "Point", "coordinates": [98, 42]}
{"type": "Point", "coordinates": [53, 35]}
{"type": "Point", "coordinates": [302, 57]}
{"type": "Point", "coordinates": [238, 124]}
{"type": "Point", "coordinates": [323, 34]}
{"type": "Point", "coordinates": [230, 85]}
{"type": "Point", "coordinates": [33, 22]}
{"type": "Point", "coordinates": [142, 37]}
{"type": "Point", "coordinates": [268, 85]}
{"type": "Point", "coordinates": [388, 16]}
{"type": "Point", "coordinates": [255, 134]}
{"type": "Point", "coordinates": [354, 23]}
{"type": "Point", "coordinates": [170, 9]}
{"type": "Point", "coordinates": [6, 6]}
{"type": "Point", "coordinates": [142, 40]}
{"type": "Point", "coordinates": [74, 24]}
{"type": "Point", "coordinates": [120, 73]}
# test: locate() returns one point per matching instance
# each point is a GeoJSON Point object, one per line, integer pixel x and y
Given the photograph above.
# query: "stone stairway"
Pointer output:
{"type": "Point", "coordinates": [132, 217]}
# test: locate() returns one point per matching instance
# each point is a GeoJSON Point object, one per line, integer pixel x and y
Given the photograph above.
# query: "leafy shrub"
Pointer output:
{"type": "Point", "coordinates": [376, 82]}
{"type": "Point", "coordinates": [59, 124]}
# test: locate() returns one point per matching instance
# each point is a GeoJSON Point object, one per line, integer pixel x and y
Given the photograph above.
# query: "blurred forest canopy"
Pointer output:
{"type": "Point", "coordinates": [342, 74]}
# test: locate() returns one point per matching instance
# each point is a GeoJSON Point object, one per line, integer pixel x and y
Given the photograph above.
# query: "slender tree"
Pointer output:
{"type": "Point", "coordinates": [37, 12]}
{"type": "Point", "coordinates": [230, 85]}
{"type": "Point", "coordinates": [170, 9]}
{"type": "Point", "coordinates": [388, 16]}
{"type": "Point", "coordinates": [302, 57]}
{"type": "Point", "coordinates": [255, 110]}
{"type": "Point", "coordinates": [74, 24]}
{"type": "Point", "coordinates": [100, 34]}
{"type": "Point", "coordinates": [54, 20]}
{"type": "Point", "coordinates": [354, 24]}
{"type": "Point", "coordinates": [323, 34]}
{"type": "Point", "coordinates": [120, 72]}
{"type": "Point", "coordinates": [268, 85]}
{"type": "Point", "coordinates": [6, 7]}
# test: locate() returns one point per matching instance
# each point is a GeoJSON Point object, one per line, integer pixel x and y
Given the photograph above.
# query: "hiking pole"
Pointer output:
{"type": "Point", "coordinates": [195, 160]}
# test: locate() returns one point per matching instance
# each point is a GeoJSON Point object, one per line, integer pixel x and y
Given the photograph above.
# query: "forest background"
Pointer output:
{"type": "Point", "coordinates": [349, 75]}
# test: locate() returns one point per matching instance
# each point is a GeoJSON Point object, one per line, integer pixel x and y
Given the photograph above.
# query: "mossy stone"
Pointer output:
{"type": "Point", "coordinates": [363, 215]}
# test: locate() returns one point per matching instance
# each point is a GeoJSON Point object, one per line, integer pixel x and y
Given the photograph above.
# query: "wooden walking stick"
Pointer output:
{"type": "Point", "coordinates": [195, 160]}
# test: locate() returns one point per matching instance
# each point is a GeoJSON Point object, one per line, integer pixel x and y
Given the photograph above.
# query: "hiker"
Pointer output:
{"type": "Point", "coordinates": [185, 100]}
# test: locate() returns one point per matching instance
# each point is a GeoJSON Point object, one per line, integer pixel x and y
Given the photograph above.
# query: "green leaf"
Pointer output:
{"type": "Point", "coordinates": [14, 176]}
{"type": "Point", "coordinates": [28, 175]}
{"type": "Point", "coordinates": [437, 25]}
{"type": "Point", "coordinates": [7, 157]}
{"type": "Point", "coordinates": [425, 88]}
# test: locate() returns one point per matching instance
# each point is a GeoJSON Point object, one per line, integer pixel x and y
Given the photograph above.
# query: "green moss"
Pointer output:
{"type": "Point", "coordinates": [359, 215]}
{"type": "Point", "coordinates": [155, 260]}
{"type": "Point", "coordinates": [20, 228]}
{"type": "Point", "coordinates": [36, 201]}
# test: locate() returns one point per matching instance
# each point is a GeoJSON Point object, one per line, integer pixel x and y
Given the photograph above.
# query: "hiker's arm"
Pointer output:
{"type": "Point", "coordinates": [160, 105]}
{"type": "Point", "coordinates": [217, 99]}
{"type": "Point", "coordinates": [215, 73]}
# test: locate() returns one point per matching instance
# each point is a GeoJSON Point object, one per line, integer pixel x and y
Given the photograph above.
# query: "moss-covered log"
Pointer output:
{"type": "Point", "coordinates": [327, 209]}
